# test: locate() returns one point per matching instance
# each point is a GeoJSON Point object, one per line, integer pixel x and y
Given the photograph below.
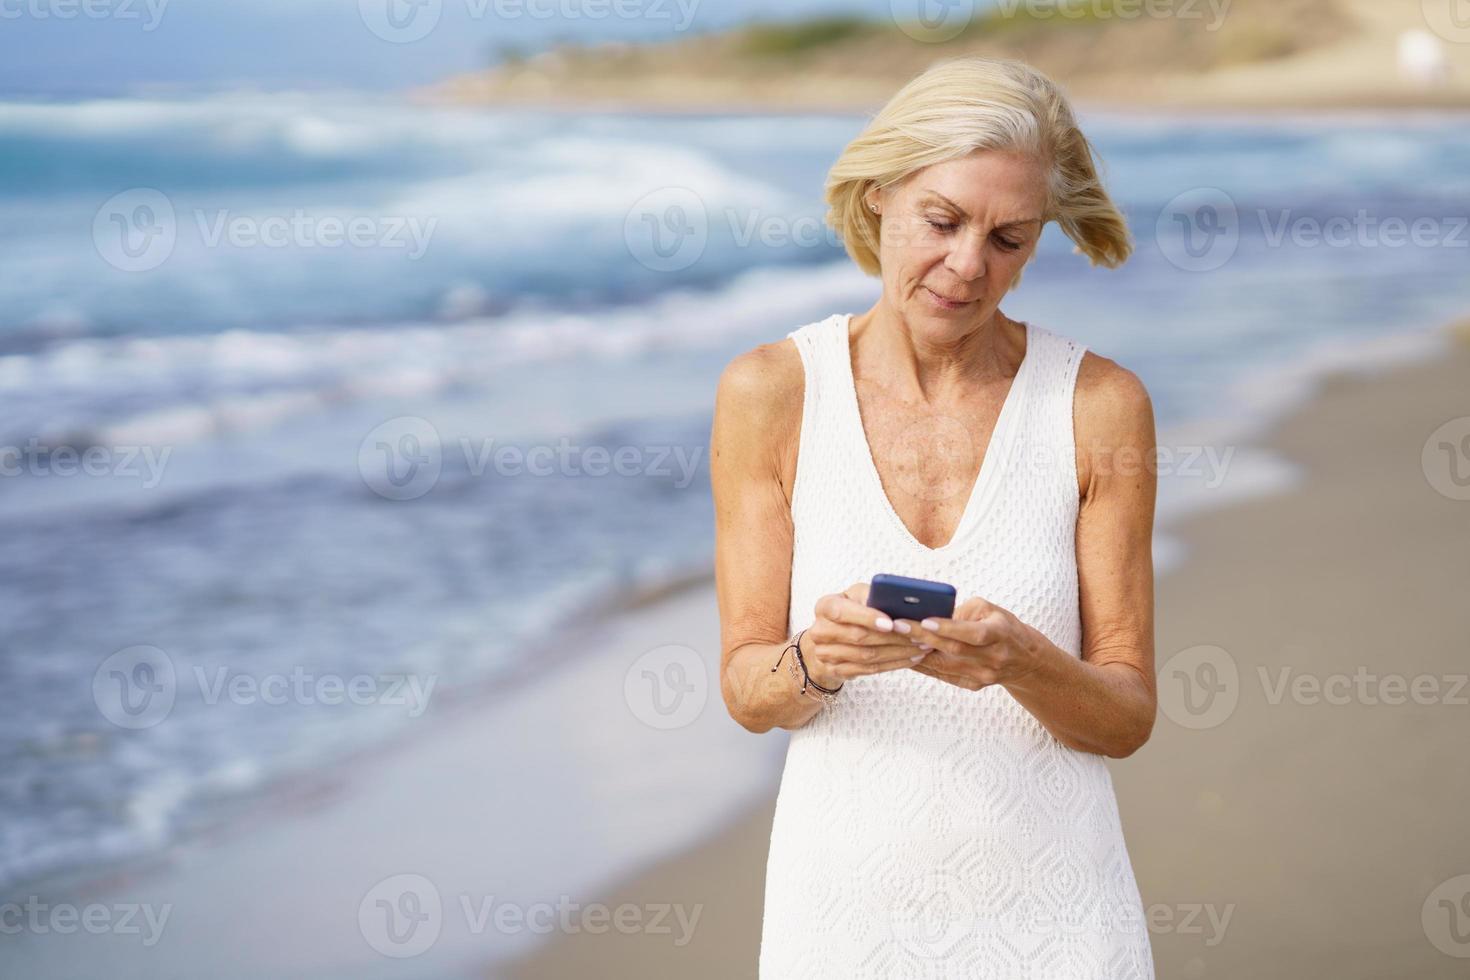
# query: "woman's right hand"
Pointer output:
{"type": "Point", "coordinates": [848, 638]}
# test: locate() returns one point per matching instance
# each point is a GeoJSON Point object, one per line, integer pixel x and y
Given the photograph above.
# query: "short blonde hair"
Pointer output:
{"type": "Point", "coordinates": [965, 104]}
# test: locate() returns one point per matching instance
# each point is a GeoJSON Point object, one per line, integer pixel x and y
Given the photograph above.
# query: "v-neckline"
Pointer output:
{"type": "Point", "coordinates": [998, 446]}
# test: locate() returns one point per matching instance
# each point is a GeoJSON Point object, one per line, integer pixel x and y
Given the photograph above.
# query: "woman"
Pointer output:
{"type": "Point", "coordinates": [945, 810]}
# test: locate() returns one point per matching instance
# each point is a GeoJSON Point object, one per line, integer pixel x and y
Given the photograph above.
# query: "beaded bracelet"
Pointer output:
{"type": "Point", "coordinates": [798, 666]}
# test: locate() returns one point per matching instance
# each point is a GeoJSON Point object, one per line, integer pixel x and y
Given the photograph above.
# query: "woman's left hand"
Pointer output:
{"type": "Point", "coordinates": [981, 645]}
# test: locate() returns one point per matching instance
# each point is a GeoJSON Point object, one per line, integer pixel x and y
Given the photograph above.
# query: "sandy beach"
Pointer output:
{"type": "Point", "coordinates": [1310, 820]}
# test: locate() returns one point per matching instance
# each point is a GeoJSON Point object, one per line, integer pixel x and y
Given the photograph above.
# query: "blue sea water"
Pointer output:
{"type": "Point", "coordinates": [295, 435]}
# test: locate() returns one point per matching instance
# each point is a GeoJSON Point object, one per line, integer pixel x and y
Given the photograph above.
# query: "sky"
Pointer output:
{"type": "Point", "coordinates": [87, 48]}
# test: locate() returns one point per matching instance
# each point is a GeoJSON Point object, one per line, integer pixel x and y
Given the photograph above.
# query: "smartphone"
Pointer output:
{"type": "Point", "coordinates": [901, 597]}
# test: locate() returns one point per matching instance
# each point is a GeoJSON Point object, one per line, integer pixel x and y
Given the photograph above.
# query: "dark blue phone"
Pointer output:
{"type": "Point", "coordinates": [901, 597]}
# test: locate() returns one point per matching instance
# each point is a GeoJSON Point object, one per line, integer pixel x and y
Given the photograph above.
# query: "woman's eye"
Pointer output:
{"type": "Point", "coordinates": [1008, 245]}
{"type": "Point", "coordinates": [941, 225]}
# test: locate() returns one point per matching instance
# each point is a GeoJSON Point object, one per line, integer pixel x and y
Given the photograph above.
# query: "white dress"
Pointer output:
{"type": "Point", "coordinates": [923, 830]}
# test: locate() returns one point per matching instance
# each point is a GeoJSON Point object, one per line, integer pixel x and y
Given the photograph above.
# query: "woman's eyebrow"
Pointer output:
{"type": "Point", "coordinates": [1005, 224]}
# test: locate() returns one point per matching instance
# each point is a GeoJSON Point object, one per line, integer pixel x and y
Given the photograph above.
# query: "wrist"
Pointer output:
{"type": "Point", "coordinates": [1036, 649]}
{"type": "Point", "coordinates": [811, 679]}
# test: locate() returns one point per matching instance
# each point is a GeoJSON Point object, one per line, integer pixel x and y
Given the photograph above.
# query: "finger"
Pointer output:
{"type": "Point", "coordinates": [952, 635]}
{"type": "Point", "coordinates": [965, 681]}
{"type": "Point", "coordinates": [842, 608]}
{"type": "Point", "coordinates": [857, 654]}
{"type": "Point", "coordinates": [974, 607]}
{"type": "Point", "coordinates": [854, 661]}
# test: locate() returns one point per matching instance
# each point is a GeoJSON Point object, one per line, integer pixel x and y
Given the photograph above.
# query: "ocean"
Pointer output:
{"type": "Point", "coordinates": [302, 392]}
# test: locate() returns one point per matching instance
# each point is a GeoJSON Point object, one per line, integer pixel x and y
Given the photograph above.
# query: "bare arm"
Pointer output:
{"type": "Point", "coordinates": [757, 424]}
{"type": "Point", "coordinates": [1106, 702]}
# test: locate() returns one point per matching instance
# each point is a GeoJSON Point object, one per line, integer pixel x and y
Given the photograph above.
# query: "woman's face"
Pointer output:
{"type": "Point", "coordinates": [959, 230]}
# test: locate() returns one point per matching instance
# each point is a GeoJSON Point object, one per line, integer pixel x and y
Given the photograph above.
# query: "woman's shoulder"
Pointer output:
{"type": "Point", "coordinates": [763, 386]}
{"type": "Point", "coordinates": [772, 376]}
{"type": "Point", "coordinates": [1111, 407]}
{"type": "Point", "coordinates": [1103, 383]}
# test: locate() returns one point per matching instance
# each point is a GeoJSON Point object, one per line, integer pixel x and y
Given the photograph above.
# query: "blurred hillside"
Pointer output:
{"type": "Point", "coordinates": [1247, 53]}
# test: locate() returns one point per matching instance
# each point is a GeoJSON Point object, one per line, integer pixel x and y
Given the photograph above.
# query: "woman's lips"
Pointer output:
{"type": "Point", "coordinates": [948, 304]}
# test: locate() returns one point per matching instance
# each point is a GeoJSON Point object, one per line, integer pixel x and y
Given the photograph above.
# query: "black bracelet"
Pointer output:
{"type": "Point", "coordinates": [807, 678]}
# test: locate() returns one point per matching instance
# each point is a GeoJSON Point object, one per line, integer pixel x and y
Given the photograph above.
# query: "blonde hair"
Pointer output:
{"type": "Point", "coordinates": [965, 104]}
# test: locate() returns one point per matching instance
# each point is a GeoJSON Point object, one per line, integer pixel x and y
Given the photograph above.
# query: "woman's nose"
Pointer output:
{"type": "Point", "coordinates": [967, 261]}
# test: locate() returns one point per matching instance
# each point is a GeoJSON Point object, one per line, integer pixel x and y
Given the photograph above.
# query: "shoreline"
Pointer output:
{"type": "Point", "coordinates": [1196, 817]}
